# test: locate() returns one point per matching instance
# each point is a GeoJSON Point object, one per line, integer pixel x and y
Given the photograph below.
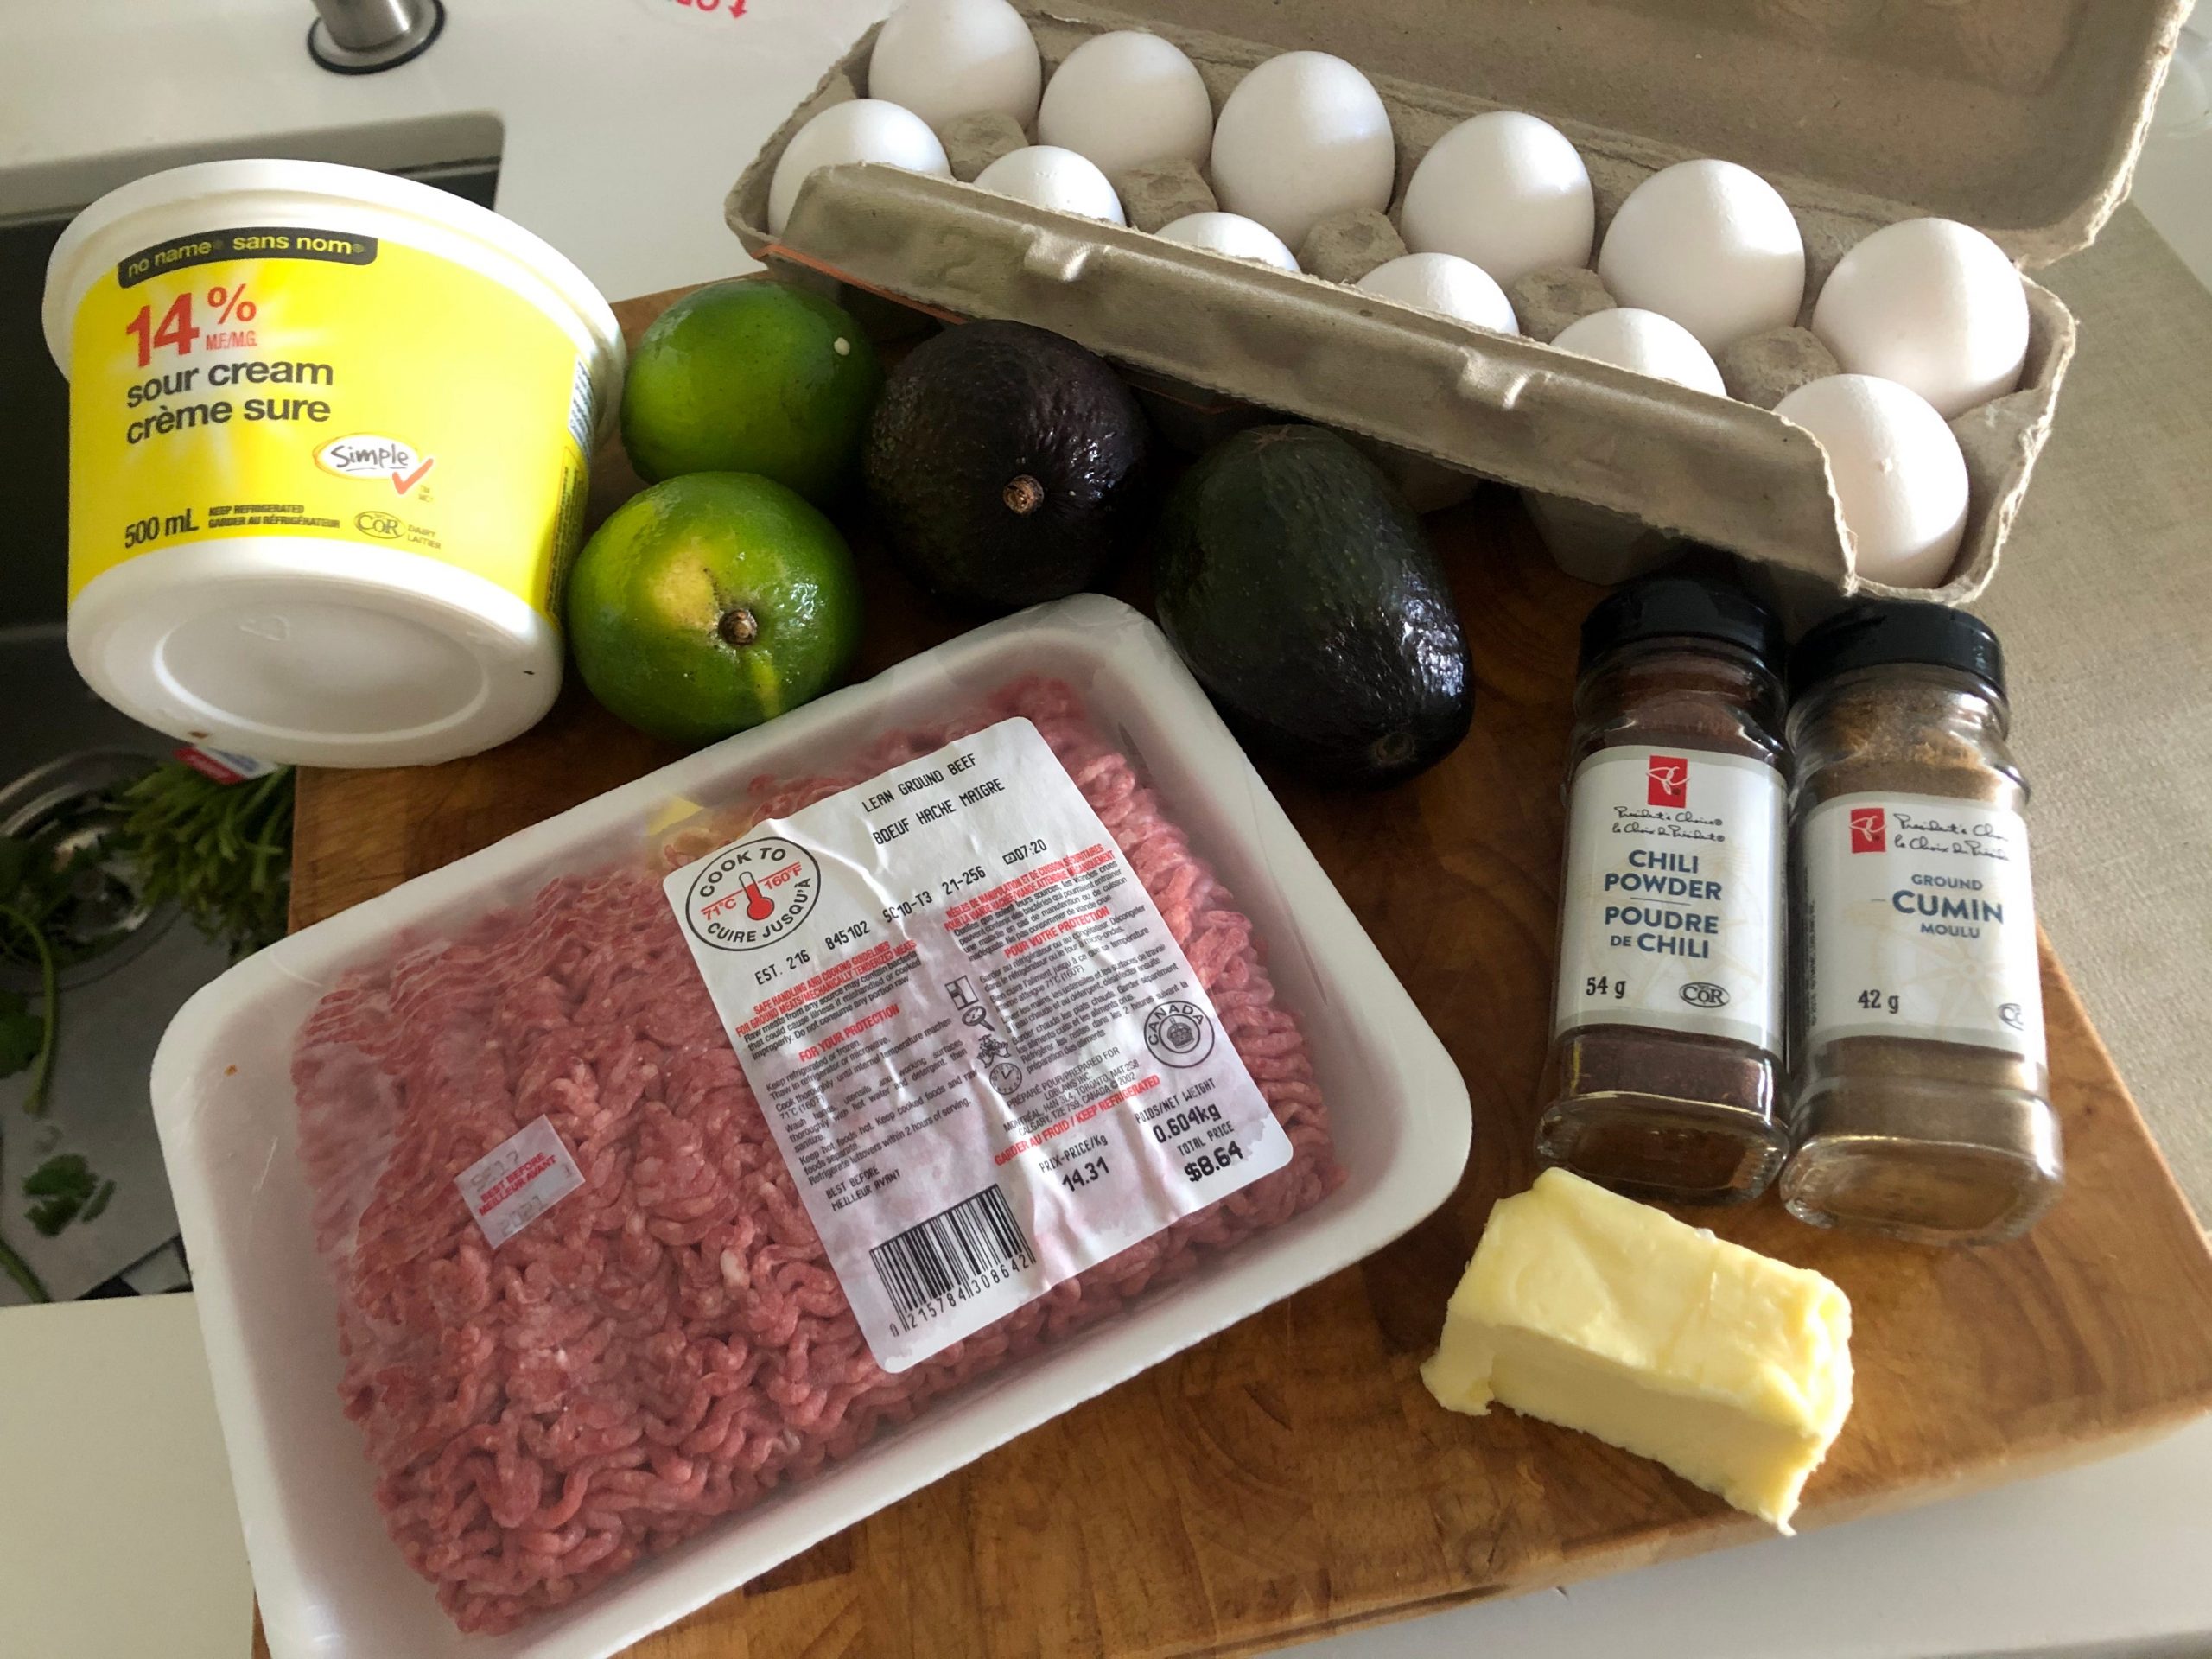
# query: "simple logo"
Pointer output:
{"type": "Point", "coordinates": [751, 894]}
{"type": "Point", "coordinates": [1669, 780]}
{"type": "Point", "coordinates": [385, 526]}
{"type": "Point", "coordinates": [1178, 1033]}
{"type": "Point", "coordinates": [1703, 994]}
{"type": "Point", "coordinates": [1869, 829]}
{"type": "Point", "coordinates": [369, 456]}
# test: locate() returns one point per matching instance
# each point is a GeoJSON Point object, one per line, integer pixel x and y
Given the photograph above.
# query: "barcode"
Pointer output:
{"type": "Point", "coordinates": [952, 1251]}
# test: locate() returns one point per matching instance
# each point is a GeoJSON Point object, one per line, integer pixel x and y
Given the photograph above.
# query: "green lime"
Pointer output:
{"type": "Point", "coordinates": [711, 603]}
{"type": "Point", "coordinates": [751, 376]}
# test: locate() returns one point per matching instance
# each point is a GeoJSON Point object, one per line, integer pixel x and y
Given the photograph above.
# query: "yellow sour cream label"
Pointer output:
{"type": "Point", "coordinates": [281, 381]}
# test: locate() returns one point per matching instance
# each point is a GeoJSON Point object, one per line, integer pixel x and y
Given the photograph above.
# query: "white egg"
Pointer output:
{"type": "Point", "coordinates": [1504, 190]}
{"type": "Point", "coordinates": [1711, 244]}
{"type": "Point", "coordinates": [944, 59]}
{"type": "Point", "coordinates": [1646, 342]}
{"type": "Point", "coordinates": [1932, 304]}
{"type": "Point", "coordinates": [1446, 283]}
{"type": "Point", "coordinates": [1055, 178]}
{"type": "Point", "coordinates": [1125, 99]}
{"type": "Point", "coordinates": [858, 130]}
{"type": "Point", "coordinates": [1899, 474]}
{"type": "Point", "coordinates": [1302, 136]}
{"type": "Point", "coordinates": [1232, 234]}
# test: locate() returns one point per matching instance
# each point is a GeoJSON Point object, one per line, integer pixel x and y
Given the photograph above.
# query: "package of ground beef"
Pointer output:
{"type": "Point", "coordinates": [673, 1162]}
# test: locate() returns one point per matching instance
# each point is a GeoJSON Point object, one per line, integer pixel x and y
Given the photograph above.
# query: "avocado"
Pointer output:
{"type": "Point", "coordinates": [1300, 589]}
{"type": "Point", "coordinates": [1007, 465]}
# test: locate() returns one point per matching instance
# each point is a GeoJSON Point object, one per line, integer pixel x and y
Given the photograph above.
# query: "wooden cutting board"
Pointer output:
{"type": "Point", "coordinates": [1291, 1475]}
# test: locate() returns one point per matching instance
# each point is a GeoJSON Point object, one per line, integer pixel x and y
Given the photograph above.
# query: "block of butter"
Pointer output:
{"type": "Point", "coordinates": [1590, 1310]}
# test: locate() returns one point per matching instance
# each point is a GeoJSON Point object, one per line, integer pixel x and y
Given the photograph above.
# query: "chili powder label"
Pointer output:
{"type": "Point", "coordinates": [1921, 922]}
{"type": "Point", "coordinates": [1670, 913]}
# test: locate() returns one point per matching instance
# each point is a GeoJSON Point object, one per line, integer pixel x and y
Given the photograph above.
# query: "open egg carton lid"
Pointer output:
{"type": "Point", "coordinates": [2022, 118]}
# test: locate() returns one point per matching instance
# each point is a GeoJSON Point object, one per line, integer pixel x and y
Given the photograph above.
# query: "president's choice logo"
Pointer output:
{"type": "Point", "coordinates": [1669, 778]}
{"type": "Point", "coordinates": [1869, 829]}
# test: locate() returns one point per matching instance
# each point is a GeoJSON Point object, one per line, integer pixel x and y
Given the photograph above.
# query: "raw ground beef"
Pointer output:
{"type": "Point", "coordinates": [667, 1345]}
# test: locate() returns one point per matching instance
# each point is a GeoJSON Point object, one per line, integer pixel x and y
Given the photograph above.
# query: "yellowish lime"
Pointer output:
{"type": "Point", "coordinates": [711, 602]}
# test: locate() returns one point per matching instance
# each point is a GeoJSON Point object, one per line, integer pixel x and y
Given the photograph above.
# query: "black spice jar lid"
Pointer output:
{"type": "Point", "coordinates": [1879, 633]}
{"type": "Point", "coordinates": [1675, 606]}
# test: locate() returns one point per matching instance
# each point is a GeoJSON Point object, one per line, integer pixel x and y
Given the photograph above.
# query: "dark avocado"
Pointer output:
{"type": "Point", "coordinates": [1299, 586]}
{"type": "Point", "coordinates": [1007, 465]}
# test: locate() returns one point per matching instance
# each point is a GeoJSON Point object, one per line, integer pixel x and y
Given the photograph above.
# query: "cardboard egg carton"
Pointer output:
{"type": "Point", "coordinates": [2020, 116]}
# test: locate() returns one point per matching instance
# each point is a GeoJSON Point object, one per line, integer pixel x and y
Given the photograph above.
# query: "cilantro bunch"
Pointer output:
{"type": "Point", "coordinates": [221, 853]}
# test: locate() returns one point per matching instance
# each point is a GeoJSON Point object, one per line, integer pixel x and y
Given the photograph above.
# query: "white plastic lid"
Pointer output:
{"type": "Point", "coordinates": [315, 652]}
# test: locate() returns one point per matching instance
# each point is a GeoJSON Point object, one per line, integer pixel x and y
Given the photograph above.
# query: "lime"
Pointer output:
{"type": "Point", "coordinates": [751, 376]}
{"type": "Point", "coordinates": [711, 603]}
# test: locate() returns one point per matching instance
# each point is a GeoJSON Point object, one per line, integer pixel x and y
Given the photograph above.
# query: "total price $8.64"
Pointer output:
{"type": "Point", "coordinates": [1212, 1160]}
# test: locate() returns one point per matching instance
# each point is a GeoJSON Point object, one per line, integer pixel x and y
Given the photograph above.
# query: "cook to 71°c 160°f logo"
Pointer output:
{"type": "Point", "coordinates": [751, 894]}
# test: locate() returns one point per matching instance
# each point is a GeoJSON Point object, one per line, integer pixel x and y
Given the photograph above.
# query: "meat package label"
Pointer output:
{"type": "Point", "coordinates": [518, 1180]}
{"type": "Point", "coordinates": [986, 1060]}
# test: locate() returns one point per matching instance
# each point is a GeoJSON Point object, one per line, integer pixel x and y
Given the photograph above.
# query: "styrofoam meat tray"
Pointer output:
{"type": "Point", "coordinates": [330, 1582]}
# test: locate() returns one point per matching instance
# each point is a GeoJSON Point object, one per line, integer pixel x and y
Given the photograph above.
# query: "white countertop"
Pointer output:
{"type": "Point", "coordinates": [113, 1472]}
{"type": "Point", "coordinates": [620, 124]}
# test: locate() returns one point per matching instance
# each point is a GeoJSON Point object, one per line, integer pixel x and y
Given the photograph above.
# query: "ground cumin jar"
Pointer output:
{"type": "Point", "coordinates": [1663, 1079]}
{"type": "Point", "coordinates": [1921, 1100]}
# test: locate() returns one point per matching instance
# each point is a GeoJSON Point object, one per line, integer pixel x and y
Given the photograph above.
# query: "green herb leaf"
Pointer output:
{"type": "Point", "coordinates": [50, 988]}
{"type": "Point", "coordinates": [92, 1211]}
{"type": "Point", "coordinates": [18, 1269]}
{"type": "Point", "coordinates": [63, 1186]}
{"type": "Point", "coordinates": [66, 1171]}
{"type": "Point", "coordinates": [22, 1034]}
{"type": "Point", "coordinates": [222, 852]}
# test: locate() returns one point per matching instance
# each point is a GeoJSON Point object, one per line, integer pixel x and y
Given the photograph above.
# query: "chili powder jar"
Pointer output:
{"type": "Point", "coordinates": [1919, 1095]}
{"type": "Point", "coordinates": [1665, 1064]}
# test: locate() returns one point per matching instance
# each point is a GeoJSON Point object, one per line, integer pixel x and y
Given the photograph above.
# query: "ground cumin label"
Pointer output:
{"type": "Point", "coordinates": [1922, 922]}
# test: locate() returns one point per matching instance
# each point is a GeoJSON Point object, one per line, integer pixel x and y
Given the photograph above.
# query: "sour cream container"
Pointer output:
{"type": "Point", "coordinates": [330, 433]}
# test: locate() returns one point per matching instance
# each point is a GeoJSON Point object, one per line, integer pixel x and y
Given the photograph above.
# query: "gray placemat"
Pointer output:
{"type": "Point", "coordinates": [2104, 602]}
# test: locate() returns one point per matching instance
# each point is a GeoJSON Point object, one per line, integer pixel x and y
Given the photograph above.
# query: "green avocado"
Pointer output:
{"type": "Point", "coordinates": [1300, 587]}
{"type": "Point", "coordinates": [1007, 466]}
